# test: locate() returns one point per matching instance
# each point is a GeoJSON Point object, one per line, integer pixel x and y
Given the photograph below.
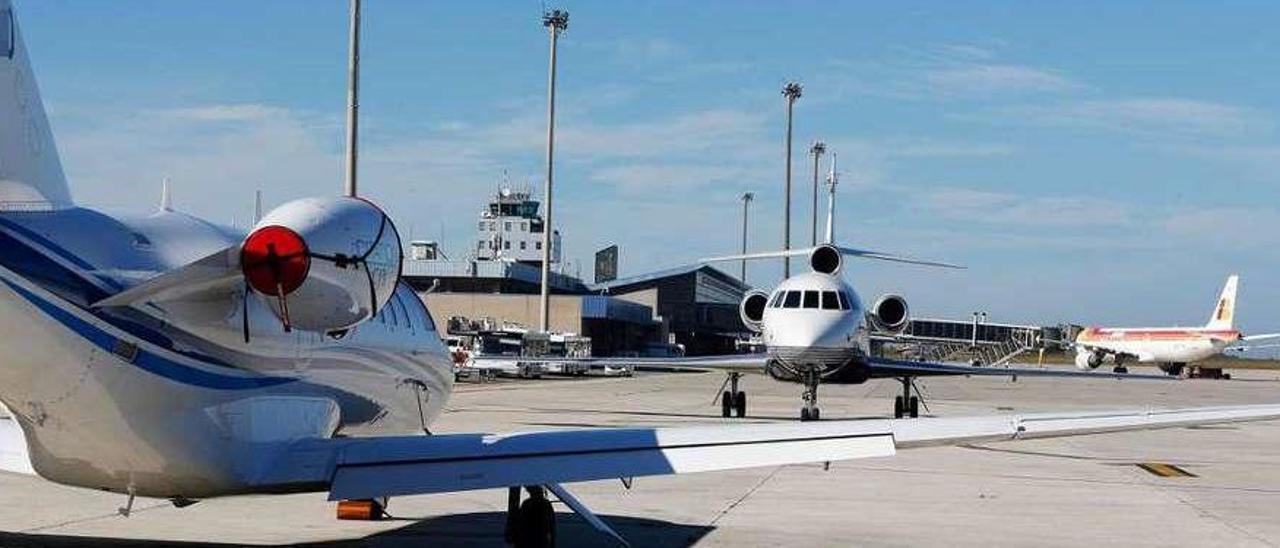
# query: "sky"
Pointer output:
{"type": "Point", "coordinates": [1089, 162]}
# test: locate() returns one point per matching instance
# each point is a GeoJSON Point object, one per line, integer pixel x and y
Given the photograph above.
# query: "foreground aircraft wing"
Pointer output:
{"type": "Point", "coordinates": [887, 367]}
{"type": "Point", "coordinates": [726, 362]}
{"type": "Point", "coordinates": [361, 468]}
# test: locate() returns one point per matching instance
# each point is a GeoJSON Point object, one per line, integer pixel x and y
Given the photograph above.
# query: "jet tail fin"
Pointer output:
{"type": "Point", "coordinates": [1224, 312]}
{"type": "Point", "coordinates": [31, 175]}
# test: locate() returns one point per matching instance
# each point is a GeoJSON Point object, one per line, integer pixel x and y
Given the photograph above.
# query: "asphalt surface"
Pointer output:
{"type": "Point", "coordinates": [1082, 491]}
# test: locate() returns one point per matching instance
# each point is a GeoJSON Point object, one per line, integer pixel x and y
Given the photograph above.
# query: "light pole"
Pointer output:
{"type": "Point", "coordinates": [816, 150]}
{"type": "Point", "coordinates": [353, 96]}
{"type": "Point", "coordinates": [556, 21]}
{"type": "Point", "coordinates": [747, 197]}
{"type": "Point", "coordinates": [792, 92]}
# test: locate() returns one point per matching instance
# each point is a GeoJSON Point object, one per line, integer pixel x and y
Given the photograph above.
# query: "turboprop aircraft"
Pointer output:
{"type": "Point", "coordinates": [1171, 348]}
{"type": "Point", "coordinates": [165, 356]}
{"type": "Point", "coordinates": [816, 331]}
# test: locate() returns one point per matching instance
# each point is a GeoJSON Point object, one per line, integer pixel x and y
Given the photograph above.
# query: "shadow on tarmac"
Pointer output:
{"type": "Point", "coordinates": [474, 529]}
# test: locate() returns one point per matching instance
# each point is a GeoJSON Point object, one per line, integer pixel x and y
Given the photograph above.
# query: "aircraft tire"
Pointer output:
{"type": "Point", "coordinates": [536, 524]}
{"type": "Point", "coordinates": [913, 407]}
{"type": "Point", "coordinates": [740, 405]}
{"type": "Point", "coordinates": [726, 404]}
{"type": "Point", "coordinates": [899, 407]}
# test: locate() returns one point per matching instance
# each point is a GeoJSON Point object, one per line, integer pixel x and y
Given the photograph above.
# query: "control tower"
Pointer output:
{"type": "Point", "coordinates": [510, 229]}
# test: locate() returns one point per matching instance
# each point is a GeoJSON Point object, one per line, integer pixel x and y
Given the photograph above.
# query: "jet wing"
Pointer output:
{"type": "Point", "coordinates": [1261, 337]}
{"type": "Point", "coordinates": [886, 368]}
{"type": "Point", "coordinates": [746, 363]}
{"type": "Point", "coordinates": [358, 468]}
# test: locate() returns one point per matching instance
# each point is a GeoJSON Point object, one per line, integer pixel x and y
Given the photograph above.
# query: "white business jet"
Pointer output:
{"type": "Point", "coordinates": [164, 356]}
{"type": "Point", "coordinates": [816, 331]}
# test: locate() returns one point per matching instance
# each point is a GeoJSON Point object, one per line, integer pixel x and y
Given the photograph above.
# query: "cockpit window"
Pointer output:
{"type": "Point", "coordinates": [830, 301]}
{"type": "Point", "coordinates": [811, 299]}
{"type": "Point", "coordinates": [844, 301]}
{"type": "Point", "coordinates": [792, 300]}
{"type": "Point", "coordinates": [777, 300]}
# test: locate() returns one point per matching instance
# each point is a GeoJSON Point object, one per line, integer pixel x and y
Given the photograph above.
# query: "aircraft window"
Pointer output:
{"type": "Point", "coordinates": [777, 300]}
{"type": "Point", "coordinates": [844, 301]}
{"type": "Point", "coordinates": [792, 300]}
{"type": "Point", "coordinates": [830, 301]}
{"type": "Point", "coordinates": [811, 299]}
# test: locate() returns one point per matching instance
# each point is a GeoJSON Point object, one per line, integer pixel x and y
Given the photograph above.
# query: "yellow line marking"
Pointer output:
{"type": "Point", "coordinates": [1165, 470]}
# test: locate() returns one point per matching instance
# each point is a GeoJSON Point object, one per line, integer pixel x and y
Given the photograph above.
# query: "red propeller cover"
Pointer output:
{"type": "Point", "coordinates": [274, 259]}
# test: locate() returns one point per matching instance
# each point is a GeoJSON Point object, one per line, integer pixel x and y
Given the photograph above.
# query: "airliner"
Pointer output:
{"type": "Point", "coordinates": [166, 356]}
{"type": "Point", "coordinates": [816, 331]}
{"type": "Point", "coordinates": [1171, 348]}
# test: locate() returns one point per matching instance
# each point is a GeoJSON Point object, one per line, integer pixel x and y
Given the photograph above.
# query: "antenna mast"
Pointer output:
{"type": "Point", "coordinates": [832, 180]}
{"type": "Point", "coordinates": [353, 97]}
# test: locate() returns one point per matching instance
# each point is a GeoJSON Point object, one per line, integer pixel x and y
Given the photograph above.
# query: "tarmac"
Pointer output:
{"type": "Point", "coordinates": [1080, 491]}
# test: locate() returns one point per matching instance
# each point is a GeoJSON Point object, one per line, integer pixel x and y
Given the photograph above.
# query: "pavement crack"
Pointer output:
{"type": "Point", "coordinates": [744, 496]}
{"type": "Point", "coordinates": [88, 519]}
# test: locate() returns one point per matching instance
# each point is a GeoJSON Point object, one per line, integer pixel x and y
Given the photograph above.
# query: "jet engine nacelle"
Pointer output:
{"type": "Point", "coordinates": [1088, 361]}
{"type": "Point", "coordinates": [323, 264]}
{"type": "Point", "coordinates": [751, 310]}
{"type": "Point", "coordinates": [826, 259]}
{"type": "Point", "coordinates": [889, 313]}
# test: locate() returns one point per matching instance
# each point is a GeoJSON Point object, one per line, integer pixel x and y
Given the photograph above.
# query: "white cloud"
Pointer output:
{"type": "Point", "coordinates": [1166, 116]}
{"type": "Point", "coordinates": [223, 113]}
{"type": "Point", "coordinates": [1000, 208]}
{"type": "Point", "coordinates": [968, 80]}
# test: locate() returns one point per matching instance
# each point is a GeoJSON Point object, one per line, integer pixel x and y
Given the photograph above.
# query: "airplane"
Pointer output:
{"type": "Point", "coordinates": [816, 331]}
{"type": "Point", "coordinates": [1171, 348]}
{"type": "Point", "coordinates": [166, 356]}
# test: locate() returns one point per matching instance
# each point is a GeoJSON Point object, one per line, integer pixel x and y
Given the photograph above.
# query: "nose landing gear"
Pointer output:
{"type": "Point", "coordinates": [732, 401]}
{"type": "Point", "coordinates": [810, 411]}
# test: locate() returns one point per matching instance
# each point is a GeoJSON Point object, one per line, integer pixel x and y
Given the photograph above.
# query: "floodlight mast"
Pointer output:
{"type": "Point", "coordinates": [791, 91]}
{"type": "Point", "coordinates": [816, 151]}
{"type": "Point", "coordinates": [556, 22]}
{"type": "Point", "coordinates": [353, 97]}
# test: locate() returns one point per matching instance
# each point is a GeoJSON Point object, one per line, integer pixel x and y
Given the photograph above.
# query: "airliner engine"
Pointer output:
{"type": "Point", "coordinates": [825, 259]}
{"type": "Point", "coordinates": [751, 309]}
{"type": "Point", "coordinates": [323, 264]}
{"type": "Point", "coordinates": [889, 313]}
{"type": "Point", "coordinates": [1088, 361]}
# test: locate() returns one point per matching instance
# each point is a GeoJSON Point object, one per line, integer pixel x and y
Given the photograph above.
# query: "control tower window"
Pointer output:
{"type": "Point", "coordinates": [481, 225]}
{"type": "Point", "coordinates": [506, 226]}
{"type": "Point", "coordinates": [524, 245]}
{"type": "Point", "coordinates": [792, 300]}
{"type": "Point", "coordinates": [506, 244]}
{"type": "Point", "coordinates": [537, 246]}
{"type": "Point", "coordinates": [524, 226]}
{"type": "Point", "coordinates": [811, 299]}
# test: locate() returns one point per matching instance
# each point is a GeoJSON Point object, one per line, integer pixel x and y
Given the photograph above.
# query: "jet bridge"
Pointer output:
{"type": "Point", "coordinates": [974, 341]}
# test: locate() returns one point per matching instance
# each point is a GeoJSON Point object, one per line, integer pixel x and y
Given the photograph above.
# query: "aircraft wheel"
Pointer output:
{"type": "Point", "coordinates": [913, 407]}
{"type": "Point", "coordinates": [740, 404]}
{"type": "Point", "coordinates": [804, 414]}
{"type": "Point", "coordinates": [537, 524]}
{"type": "Point", "coordinates": [726, 404]}
{"type": "Point", "coordinates": [899, 407]}
{"type": "Point", "coordinates": [816, 415]}
{"type": "Point", "coordinates": [1121, 369]}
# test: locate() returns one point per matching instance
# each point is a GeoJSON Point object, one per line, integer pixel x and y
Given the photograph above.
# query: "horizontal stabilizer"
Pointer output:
{"type": "Point", "coordinates": [216, 273]}
{"type": "Point", "coordinates": [1261, 337]}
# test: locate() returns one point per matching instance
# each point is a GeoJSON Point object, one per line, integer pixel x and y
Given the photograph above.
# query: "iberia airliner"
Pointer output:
{"type": "Point", "coordinates": [1169, 347]}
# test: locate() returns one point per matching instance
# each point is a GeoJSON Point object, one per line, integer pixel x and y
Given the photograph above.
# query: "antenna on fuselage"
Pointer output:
{"type": "Point", "coordinates": [353, 97]}
{"type": "Point", "coordinates": [831, 200]}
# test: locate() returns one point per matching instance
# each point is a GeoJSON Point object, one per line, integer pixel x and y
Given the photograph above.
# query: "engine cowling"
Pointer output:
{"type": "Point", "coordinates": [826, 259]}
{"type": "Point", "coordinates": [1088, 361]}
{"type": "Point", "coordinates": [323, 264]}
{"type": "Point", "coordinates": [889, 313]}
{"type": "Point", "coordinates": [751, 310]}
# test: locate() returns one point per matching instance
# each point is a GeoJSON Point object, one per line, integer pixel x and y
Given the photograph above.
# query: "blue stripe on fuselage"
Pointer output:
{"type": "Point", "coordinates": [145, 359]}
{"type": "Point", "coordinates": [57, 250]}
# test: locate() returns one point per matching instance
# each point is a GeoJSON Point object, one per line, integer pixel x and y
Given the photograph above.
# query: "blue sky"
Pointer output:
{"type": "Point", "coordinates": [1089, 161]}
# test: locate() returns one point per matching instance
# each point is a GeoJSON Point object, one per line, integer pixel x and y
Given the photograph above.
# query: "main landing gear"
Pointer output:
{"type": "Point", "coordinates": [531, 524]}
{"type": "Point", "coordinates": [732, 401]}
{"type": "Point", "coordinates": [1120, 368]}
{"type": "Point", "coordinates": [810, 411]}
{"type": "Point", "coordinates": [906, 405]}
